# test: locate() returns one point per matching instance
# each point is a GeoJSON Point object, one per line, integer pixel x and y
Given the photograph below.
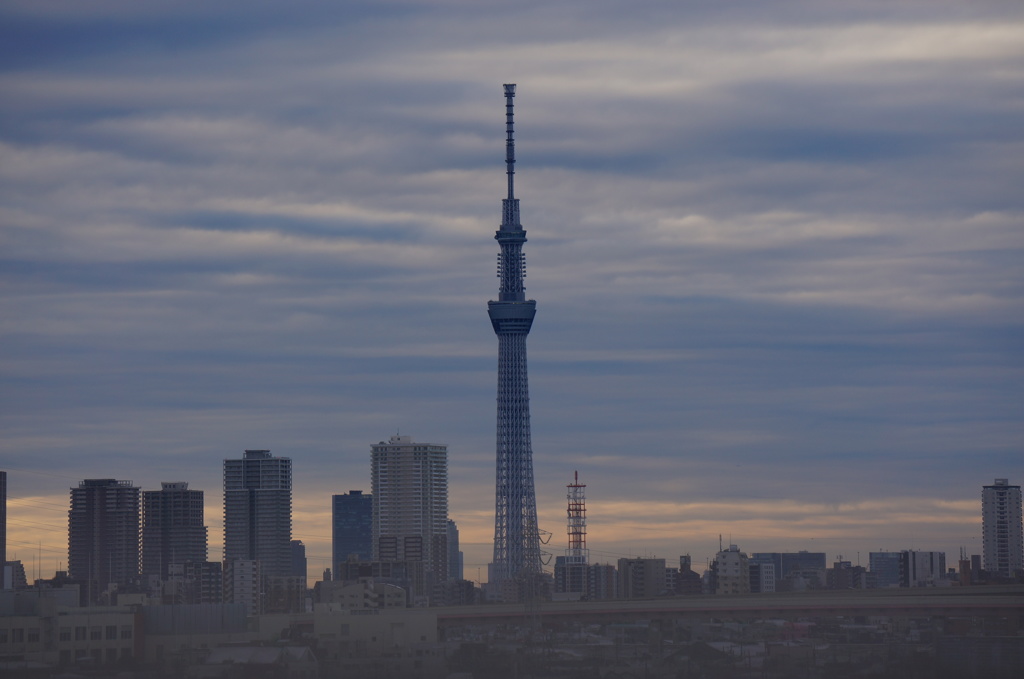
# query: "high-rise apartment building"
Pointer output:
{"type": "Point", "coordinates": [299, 565]}
{"type": "Point", "coordinates": [517, 553]}
{"type": "Point", "coordinates": [455, 563]}
{"type": "Point", "coordinates": [258, 511]}
{"type": "Point", "coordinates": [1001, 528]}
{"type": "Point", "coordinates": [351, 528]}
{"type": "Point", "coordinates": [410, 503]}
{"type": "Point", "coordinates": [173, 531]}
{"type": "Point", "coordinates": [103, 534]}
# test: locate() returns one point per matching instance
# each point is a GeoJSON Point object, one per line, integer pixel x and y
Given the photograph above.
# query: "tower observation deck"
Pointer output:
{"type": "Point", "coordinates": [517, 554]}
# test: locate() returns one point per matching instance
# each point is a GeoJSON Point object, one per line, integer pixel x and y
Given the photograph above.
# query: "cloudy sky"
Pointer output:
{"type": "Point", "coordinates": [775, 246]}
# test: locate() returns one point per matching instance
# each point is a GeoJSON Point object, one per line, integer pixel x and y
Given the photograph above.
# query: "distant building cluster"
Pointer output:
{"type": "Point", "coordinates": [138, 566]}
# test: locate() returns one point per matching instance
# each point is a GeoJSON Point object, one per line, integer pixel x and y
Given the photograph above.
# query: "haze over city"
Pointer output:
{"type": "Point", "coordinates": [775, 252]}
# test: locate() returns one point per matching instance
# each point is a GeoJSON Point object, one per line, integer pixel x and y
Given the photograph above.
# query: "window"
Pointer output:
{"type": "Point", "coordinates": [79, 634]}
{"type": "Point", "coordinates": [96, 633]}
{"type": "Point", "coordinates": [33, 635]}
{"type": "Point", "coordinates": [111, 631]}
{"type": "Point", "coordinates": [65, 634]}
{"type": "Point", "coordinates": [126, 631]}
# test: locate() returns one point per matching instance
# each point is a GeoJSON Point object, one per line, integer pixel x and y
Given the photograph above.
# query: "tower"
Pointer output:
{"type": "Point", "coordinates": [571, 570]}
{"type": "Point", "coordinates": [258, 511]}
{"type": "Point", "coordinates": [103, 534]}
{"type": "Point", "coordinates": [516, 538]}
{"type": "Point", "coordinates": [352, 528]}
{"type": "Point", "coordinates": [410, 503]}
{"type": "Point", "coordinates": [1001, 528]}
{"type": "Point", "coordinates": [172, 528]}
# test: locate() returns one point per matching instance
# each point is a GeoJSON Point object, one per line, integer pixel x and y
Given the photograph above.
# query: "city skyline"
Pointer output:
{"type": "Point", "coordinates": [777, 252]}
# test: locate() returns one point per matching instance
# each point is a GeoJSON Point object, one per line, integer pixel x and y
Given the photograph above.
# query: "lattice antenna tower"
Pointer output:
{"type": "Point", "coordinates": [517, 553]}
{"type": "Point", "coordinates": [577, 521]}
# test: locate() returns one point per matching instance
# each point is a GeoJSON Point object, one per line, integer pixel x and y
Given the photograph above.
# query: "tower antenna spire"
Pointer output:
{"type": "Point", "coordinates": [510, 141]}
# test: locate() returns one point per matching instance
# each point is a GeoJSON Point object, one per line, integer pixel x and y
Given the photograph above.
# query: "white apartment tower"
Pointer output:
{"type": "Point", "coordinates": [258, 511]}
{"type": "Point", "coordinates": [733, 571]}
{"type": "Point", "coordinates": [1001, 528]}
{"type": "Point", "coordinates": [410, 503]}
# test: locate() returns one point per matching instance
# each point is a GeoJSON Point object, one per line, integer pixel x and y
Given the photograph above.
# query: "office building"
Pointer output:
{"type": "Point", "coordinates": [351, 528]}
{"type": "Point", "coordinates": [103, 535]}
{"type": "Point", "coordinates": [409, 483]}
{"type": "Point", "coordinates": [794, 570]}
{"type": "Point", "coordinates": [884, 569]}
{"type": "Point", "coordinates": [1001, 529]}
{"type": "Point", "coordinates": [258, 512]}
{"type": "Point", "coordinates": [922, 569]}
{"type": "Point", "coordinates": [517, 553]}
{"type": "Point", "coordinates": [173, 531]}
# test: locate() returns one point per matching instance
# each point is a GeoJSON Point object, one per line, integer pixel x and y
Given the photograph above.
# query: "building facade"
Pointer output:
{"type": "Point", "coordinates": [410, 503]}
{"type": "Point", "coordinates": [641, 578]}
{"type": "Point", "coordinates": [1001, 529]}
{"type": "Point", "coordinates": [3, 518]}
{"type": "Point", "coordinates": [173, 530]}
{"type": "Point", "coordinates": [922, 569]}
{"type": "Point", "coordinates": [103, 535]}
{"type": "Point", "coordinates": [243, 584]}
{"type": "Point", "coordinates": [455, 557]}
{"type": "Point", "coordinates": [299, 564]}
{"type": "Point", "coordinates": [602, 582]}
{"type": "Point", "coordinates": [351, 528]}
{"type": "Point", "coordinates": [762, 577]}
{"type": "Point", "coordinates": [517, 553]}
{"type": "Point", "coordinates": [732, 569]}
{"type": "Point", "coordinates": [258, 511]}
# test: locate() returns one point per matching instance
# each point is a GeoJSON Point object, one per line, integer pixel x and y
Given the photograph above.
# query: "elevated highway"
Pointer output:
{"type": "Point", "coordinates": [993, 602]}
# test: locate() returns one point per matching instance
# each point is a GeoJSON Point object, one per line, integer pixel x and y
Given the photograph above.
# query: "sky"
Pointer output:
{"type": "Point", "coordinates": [775, 247]}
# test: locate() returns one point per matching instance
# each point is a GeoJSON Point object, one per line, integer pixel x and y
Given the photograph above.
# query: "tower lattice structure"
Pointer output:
{"type": "Point", "coordinates": [576, 511]}
{"type": "Point", "coordinates": [517, 551]}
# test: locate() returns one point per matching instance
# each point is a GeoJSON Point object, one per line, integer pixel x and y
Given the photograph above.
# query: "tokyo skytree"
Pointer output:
{"type": "Point", "coordinates": [517, 552]}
